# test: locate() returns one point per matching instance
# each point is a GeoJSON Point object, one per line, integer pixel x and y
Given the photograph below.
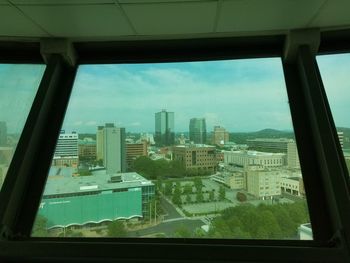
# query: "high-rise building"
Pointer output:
{"type": "Point", "coordinates": [164, 128]}
{"type": "Point", "coordinates": [3, 133]}
{"type": "Point", "coordinates": [66, 152]}
{"type": "Point", "coordinates": [114, 155]}
{"type": "Point", "coordinates": [292, 155]}
{"type": "Point", "coordinates": [67, 145]}
{"type": "Point", "coordinates": [99, 143]}
{"type": "Point", "coordinates": [198, 130]}
{"type": "Point", "coordinates": [341, 138]}
{"type": "Point", "coordinates": [220, 136]}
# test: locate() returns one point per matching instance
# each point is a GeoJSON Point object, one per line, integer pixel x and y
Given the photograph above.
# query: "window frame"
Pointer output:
{"type": "Point", "coordinates": [30, 165]}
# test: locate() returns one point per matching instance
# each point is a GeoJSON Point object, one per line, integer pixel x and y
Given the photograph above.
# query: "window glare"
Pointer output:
{"type": "Point", "coordinates": [190, 150]}
{"type": "Point", "coordinates": [18, 86]}
{"type": "Point", "coordinates": [334, 70]}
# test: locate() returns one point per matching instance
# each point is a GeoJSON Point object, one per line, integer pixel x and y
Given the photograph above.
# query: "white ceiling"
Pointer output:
{"type": "Point", "coordinates": [141, 19]}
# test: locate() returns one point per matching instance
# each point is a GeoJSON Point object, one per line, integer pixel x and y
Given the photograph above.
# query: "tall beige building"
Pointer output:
{"type": "Point", "coordinates": [99, 143]}
{"type": "Point", "coordinates": [292, 155]}
{"type": "Point", "coordinates": [220, 136]}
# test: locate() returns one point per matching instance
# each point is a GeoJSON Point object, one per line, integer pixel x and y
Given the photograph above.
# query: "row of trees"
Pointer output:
{"type": "Point", "coordinates": [187, 190]}
{"type": "Point", "coordinates": [262, 222]}
{"type": "Point", "coordinates": [154, 169]}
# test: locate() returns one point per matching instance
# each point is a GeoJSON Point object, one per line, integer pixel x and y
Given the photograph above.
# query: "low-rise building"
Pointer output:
{"type": "Point", "coordinates": [247, 158]}
{"type": "Point", "coordinates": [293, 185]}
{"type": "Point", "coordinates": [305, 232]}
{"type": "Point", "coordinates": [269, 144]}
{"type": "Point", "coordinates": [234, 180]}
{"type": "Point", "coordinates": [69, 200]}
{"type": "Point", "coordinates": [135, 150]}
{"type": "Point", "coordinates": [65, 161]}
{"type": "Point", "coordinates": [262, 182]}
{"type": "Point", "coordinates": [87, 149]}
{"type": "Point", "coordinates": [196, 157]}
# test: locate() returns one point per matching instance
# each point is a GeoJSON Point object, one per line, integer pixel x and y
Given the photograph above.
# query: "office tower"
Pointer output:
{"type": "Point", "coordinates": [3, 133]}
{"type": "Point", "coordinates": [198, 130]}
{"type": "Point", "coordinates": [341, 138]}
{"type": "Point", "coordinates": [99, 143]}
{"type": "Point", "coordinates": [220, 136]}
{"type": "Point", "coordinates": [114, 155]}
{"type": "Point", "coordinates": [292, 155]}
{"type": "Point", "coordinates": [67, 145]}
{"type": "Point", "coordinates": [66, 152]}
{"type": "Point", "coordinates": [164, 128]}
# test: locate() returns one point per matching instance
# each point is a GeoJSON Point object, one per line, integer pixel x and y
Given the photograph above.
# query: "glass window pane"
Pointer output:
{"type": "Point", "coordinates": [335, 70]}
{"type": "Point", "coordinates": [18, 86]}
{"type": "Point", "coordinates": [193, 149]}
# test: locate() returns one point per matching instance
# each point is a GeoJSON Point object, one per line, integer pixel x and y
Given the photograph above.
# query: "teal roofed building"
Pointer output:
{"type": "Point", "coordinates": [69, 201]}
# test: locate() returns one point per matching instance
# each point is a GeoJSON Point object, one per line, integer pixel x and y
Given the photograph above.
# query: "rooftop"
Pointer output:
{"type": "Point", "coordinates": [61, 181]}
{"type": "Point", "coordinates": [195, 146]}
{"type": "Point", "coordinates": [255, 153]}
{"type": "Point", "coordinates": [270, 140]}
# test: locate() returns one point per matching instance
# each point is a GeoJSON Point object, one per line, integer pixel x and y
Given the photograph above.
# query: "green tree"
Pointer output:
{"type": "Point", "coordinates": [40, 227]}
{"type": "Point", "coordinates": [199, 197]}
{"type": "Point", "coordinates": [182, 232]}
{"type": "Point", "coordinates": [177, 195]}
{"type": "Point", "coordinates": [188, 198]}
{"type": "Point", "coordinates": [187, 189]}
{"type": "Point", "coordinates": [198, 184]}
{"type": "Point", "coordinates": [222, 193]}
{"type": "Point", "coordinates": [211, 195]}
{"type": "Point", "coordinates": [168, 189]}
{"type": "Point", "coordinates": [145, 166]}
{"type": "Point", "coordinates": [116, 229]}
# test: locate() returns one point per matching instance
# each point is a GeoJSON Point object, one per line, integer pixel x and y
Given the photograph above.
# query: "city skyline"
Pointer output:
{"type": "Point", "coordinates": [240, 95]}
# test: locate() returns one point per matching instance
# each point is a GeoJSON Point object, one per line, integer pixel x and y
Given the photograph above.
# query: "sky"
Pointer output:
{"type": "Point", "coordinates": [240, 95]}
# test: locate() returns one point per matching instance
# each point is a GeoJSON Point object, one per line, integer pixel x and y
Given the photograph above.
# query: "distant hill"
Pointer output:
{"type": "Point", "coordinates": [241, 137]}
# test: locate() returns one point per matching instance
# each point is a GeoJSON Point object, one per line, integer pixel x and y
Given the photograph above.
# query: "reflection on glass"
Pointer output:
{"type": "Point", "coordinates": [195, 150]}
{"type": "Point", "coordinates": [18, 86]}
{"type": "Point", "coordinates": [334, 71]}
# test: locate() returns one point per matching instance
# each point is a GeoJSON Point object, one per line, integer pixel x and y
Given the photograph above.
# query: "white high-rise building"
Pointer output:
{"type": "Point", "coordinates": [341, 138]}
{"type": "Point", "coordinates": [114, 155]}
{"type": "Point", "coordinates": [67, 145]}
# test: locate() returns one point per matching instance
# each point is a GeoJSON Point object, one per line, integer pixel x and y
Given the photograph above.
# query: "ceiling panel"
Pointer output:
{"type": "Point", "coordinates": [159, 1]}
{"type": "Point", "coordinates": [258, 15]}
{"type": "Point", "coordinates": [171, 18]}
{"type": "Point", "coordinates": [13, 23]}
{"type": "Point", "coordinates": [80, 21]}
{"type": "Point", "coordinates": [333, 13]}
{"type": "Point", "coordinates": [60, 2]}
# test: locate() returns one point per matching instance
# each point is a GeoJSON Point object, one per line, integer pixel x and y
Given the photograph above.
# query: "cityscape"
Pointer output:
{"type": "Point", "coordinates": [216, 162]}
{"type": "Point", "coordinates": [167, 184]}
